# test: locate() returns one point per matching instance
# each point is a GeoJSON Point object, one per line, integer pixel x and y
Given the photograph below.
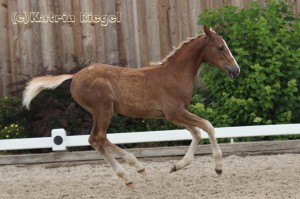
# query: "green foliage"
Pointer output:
{"type": "Point", "coordinates": [9, 109]}
{"type": "Point", "coordinates": [11, 131]}
{"type": "Point", "coordinates": [11, 118]}
{"type": "Point", "coordinates": [264, 42]}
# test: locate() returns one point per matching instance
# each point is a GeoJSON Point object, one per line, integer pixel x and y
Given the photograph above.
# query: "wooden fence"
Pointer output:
{"type": "Point", "coordinates": [120, 32]}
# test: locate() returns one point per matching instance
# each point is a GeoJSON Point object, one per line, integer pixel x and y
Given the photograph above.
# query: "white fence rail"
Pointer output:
{"type": "Point", "coordinates": [59, 141]}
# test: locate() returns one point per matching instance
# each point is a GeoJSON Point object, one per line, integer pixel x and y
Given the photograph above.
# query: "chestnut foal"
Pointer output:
{"type": "Point", "coordinates": [162, 90]}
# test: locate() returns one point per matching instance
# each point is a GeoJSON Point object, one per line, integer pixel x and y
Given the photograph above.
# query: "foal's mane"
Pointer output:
{"type": "Point", "coordinates": [175, 50]}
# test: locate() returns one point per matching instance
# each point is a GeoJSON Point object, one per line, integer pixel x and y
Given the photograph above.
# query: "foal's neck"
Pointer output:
{"type": "Point", "coordinates": [186, 60]}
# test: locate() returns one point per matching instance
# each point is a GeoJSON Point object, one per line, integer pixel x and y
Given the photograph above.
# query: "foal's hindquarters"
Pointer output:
{"type": "Point", "coordinates": [95, 90]}
{"type": "Point", "coordinates": [101, 105]}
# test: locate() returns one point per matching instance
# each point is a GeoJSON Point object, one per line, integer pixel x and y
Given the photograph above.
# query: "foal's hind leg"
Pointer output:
{"type": "Point", "coordinates": [99, 141]}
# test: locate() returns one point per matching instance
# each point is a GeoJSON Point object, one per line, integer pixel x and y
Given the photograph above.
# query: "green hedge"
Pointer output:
{"type": "Point", "coordinates": [265, 43]}
{"type": "Point", "coordinates": [11, 118]}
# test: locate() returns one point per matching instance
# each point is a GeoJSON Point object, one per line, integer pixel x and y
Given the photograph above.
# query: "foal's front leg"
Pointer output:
{"type": "Point", "coordinates": [128, 157]}
{"type": "Point", "coordinates": [185, 118]}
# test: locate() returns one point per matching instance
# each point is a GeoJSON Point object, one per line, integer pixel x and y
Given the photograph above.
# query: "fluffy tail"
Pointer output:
{"type": "Point", "coordinates": [36, 85]}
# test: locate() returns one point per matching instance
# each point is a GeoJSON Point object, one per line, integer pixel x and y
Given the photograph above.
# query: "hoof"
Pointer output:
{"type": "Point", "coordinates": [129, 184]}
{"type": "Point", "coordinates": [218, 171]}
{"type": "Point", "coordinates": [142, 172]}
{"type": "Point", "coordinates": [173, 169]}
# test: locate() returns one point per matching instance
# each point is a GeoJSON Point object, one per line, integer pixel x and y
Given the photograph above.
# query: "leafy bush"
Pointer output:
{"type": "Point", "coordinates": [11, 131]}
{"type": "Point", "coordinates": [11, 118]}
{"type": "Point", "coordinates": [264, 43]}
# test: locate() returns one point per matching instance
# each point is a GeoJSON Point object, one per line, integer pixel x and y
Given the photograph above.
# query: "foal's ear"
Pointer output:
{"type": "Point", "coordinates": [207, 31]}
{"type": "Point", "coordinates": [216, 28]}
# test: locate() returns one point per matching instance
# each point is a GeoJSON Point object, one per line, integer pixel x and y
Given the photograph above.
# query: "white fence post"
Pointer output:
{"type": "Point", "coordinates": [59, 139]}
{"type": "Point", "coordinates": [231, 140]}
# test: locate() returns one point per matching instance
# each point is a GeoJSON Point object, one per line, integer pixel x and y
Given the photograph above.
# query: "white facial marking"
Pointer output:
{"type": "Point", "coordinates": [231, 54]}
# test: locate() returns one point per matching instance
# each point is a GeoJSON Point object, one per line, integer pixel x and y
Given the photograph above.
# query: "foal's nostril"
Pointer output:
{"type": "Point", "coordinates": [234, 72]}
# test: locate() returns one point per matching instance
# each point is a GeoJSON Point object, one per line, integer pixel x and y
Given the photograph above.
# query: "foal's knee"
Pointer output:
{"type": "Point", "coordinates": [93, 141]}
{"type": "Point", "coordinates": [207, 126]}
{"type": "Point", "coordinates": [197, 136]}
{"type": "Point", "coordinates": [97, 141]}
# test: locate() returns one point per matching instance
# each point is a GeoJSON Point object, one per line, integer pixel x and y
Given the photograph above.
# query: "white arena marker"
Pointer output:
{"type": "Point", "coordinates": [59, 139]}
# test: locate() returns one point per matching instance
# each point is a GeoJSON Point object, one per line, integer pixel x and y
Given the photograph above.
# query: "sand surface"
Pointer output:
{"type": "Point", "coordinates": [272, 176]}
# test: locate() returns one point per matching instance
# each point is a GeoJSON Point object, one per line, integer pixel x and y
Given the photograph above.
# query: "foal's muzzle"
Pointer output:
{"type": "Point", "coordinates": [233, 72]}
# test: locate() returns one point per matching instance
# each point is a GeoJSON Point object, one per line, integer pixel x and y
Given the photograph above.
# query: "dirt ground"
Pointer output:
{"type": "Point", "coordinates": [272, 176]}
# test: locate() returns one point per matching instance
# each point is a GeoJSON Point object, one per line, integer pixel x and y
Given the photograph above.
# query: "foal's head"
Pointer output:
{"type": "Point", "coordinates": [218, 53]}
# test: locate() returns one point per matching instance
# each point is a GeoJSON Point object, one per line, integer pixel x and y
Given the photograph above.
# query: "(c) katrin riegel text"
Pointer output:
{"type": "Point", "coordinates": [84, 17]}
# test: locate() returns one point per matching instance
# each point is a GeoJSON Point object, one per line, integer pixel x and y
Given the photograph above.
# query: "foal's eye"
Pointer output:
{"type": "Point", "coordinates": [220, 48]}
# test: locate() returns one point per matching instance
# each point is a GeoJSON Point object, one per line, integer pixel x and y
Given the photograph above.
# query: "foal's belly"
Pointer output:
{"type": "Point", "coordinates": [137, 112]}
